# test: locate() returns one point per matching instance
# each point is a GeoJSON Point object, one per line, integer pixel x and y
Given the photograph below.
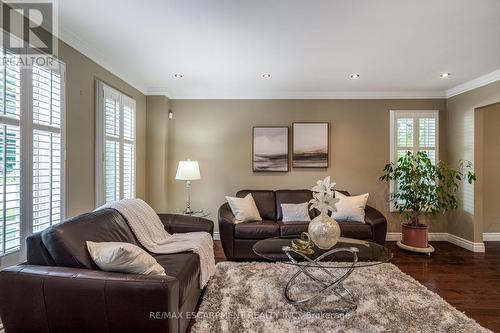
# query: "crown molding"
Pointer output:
{"type": "Point", "coordinates": [93, 54]}
{"type": "Point", "coordinates": [155, 91]}
{"type": "Point", "coordinates": [319, 95]}
{"type": "Point", "coordinates": [473, 84]}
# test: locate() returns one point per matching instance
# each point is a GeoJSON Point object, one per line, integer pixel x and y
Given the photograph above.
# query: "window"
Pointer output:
{"type": "Point", "coordinates": [31, 153]}
{"type": "Point", "coordinates": [115, 140]}
{"type": "Point", "coordinates": [414, 131]}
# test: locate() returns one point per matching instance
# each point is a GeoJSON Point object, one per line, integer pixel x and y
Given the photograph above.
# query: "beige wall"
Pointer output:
{"type": "Point", "coordinates": [490, 167]}
{"type": "Point", "coordinates": [81, 73]}
{"type": "Point", "coordinates": [218, 133]}
{"type": "Point", "coordinates": [460, 145]}
{"type": "Point", "coordinates": [157, 152]}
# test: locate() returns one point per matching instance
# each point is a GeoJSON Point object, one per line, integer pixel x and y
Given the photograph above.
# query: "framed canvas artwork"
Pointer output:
{"type": "Point", "coordinates": [270, 149]}
{"type": "Point", "coordinates": [310, 145]}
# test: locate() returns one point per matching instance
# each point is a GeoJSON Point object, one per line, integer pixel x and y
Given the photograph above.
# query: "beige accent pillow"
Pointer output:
{"type": "Point", "coordinates": [124, 258]}
{"type": "Point", "coordinates": [350, 208]}
{"type": "Point", "coordinates": [244, 209]}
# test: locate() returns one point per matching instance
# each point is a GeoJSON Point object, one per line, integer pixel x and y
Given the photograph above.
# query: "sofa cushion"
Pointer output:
{"type": "Point", "coordinates": [244, 209]}
{"type": "Point", "coordinates": [265, 201]}
{"type": "Point", "coordinates": [185, 267]}
{"type": "Point", "coordinates": [355, 230]}
{"type": "Point", "coordinates": [124, 258]}
{"type": "Point", "coordinates": [348, 229]}
{"type": "Point", "coordinates": [351, 208]}
{"type": "Point", "coordinates": [295, 212]}
{"type": "Point", "coordinates": [66, 242]}
{"type": "Point", "coordinates": [292, 197]}
{"type": "Point", "coordinates": [288, 229]}
{"type": "Point", "coordinates": [256, 230]}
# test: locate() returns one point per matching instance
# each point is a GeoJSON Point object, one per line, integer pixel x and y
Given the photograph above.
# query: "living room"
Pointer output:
{"type": "Point", "coordinates": [263, 166]}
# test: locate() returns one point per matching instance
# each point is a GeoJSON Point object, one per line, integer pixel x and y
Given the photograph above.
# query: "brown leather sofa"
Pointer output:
{"type": "Point", "coordinates": [238, 239]}
{"type": "Point", "coordinates": [60, 289]}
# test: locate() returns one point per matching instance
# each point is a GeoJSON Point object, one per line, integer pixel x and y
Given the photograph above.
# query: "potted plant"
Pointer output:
{"type": "Point", "coordinates": [423, 188]}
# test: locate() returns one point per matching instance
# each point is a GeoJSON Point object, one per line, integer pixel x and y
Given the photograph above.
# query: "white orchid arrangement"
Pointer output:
{"type": "Point", "coordinates": [323, 199]}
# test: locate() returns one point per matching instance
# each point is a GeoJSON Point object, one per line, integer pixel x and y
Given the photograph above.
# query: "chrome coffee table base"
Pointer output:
{"type": "Point", "coordinates": [332, 283]}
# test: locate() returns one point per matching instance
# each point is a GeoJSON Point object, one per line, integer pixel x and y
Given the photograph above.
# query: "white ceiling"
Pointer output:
{"type": "Point", "coordinates": [222, 47]}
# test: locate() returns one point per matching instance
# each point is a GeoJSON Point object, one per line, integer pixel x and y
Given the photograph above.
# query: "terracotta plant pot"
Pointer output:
{"type": "Point", "coordinates": [416, 236]}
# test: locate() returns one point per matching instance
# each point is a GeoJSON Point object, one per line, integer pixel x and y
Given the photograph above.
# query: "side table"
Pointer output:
{"type": "Point", "coordinates": [197, 213]}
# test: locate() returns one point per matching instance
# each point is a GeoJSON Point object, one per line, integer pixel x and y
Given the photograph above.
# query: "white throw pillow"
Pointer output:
{"type": "Point", "coordinates": [124, 258]}
{"type": "Point", "coordinates": [295, 212]}
{"type": "Point", "coordinates": [244, 209]}
{"type": "Point", "coordinates": [350, 208]}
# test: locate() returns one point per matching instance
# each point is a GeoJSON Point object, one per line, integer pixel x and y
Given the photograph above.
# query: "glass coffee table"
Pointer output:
{"type": "Point", "coordinates": [322, 273]}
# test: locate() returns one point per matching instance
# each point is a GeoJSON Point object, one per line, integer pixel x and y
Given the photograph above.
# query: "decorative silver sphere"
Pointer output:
{"type": "Point", "coordinates": [324, 231]}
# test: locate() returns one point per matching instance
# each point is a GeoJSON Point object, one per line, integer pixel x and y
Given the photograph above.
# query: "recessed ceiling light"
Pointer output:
{"type": "Point", "coordinates": [178, 76]}
{"type": "Point", "coordinates": [266, 76]}
{"type": "Point", "coordinates": [355, 76]}
{"type": "Point", "coordinates": [444, 75]}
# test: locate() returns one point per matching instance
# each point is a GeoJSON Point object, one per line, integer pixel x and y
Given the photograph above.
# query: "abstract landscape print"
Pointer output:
{"type": "Point", "coordinates": [270, 149]}
{"type": "Point", "coordinates": [310, 145]}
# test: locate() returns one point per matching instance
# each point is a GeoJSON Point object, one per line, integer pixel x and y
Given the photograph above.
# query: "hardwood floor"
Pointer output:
{"type": "Point", "coordinates": [469, 281]}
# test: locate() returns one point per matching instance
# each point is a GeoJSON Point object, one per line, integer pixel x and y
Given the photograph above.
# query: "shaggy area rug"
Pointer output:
{"type": "Point", "coordinates": [248, 297]}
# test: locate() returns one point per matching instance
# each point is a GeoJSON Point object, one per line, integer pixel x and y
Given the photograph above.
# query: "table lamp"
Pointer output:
{"type": "Point", "coordinates": [188, 171]}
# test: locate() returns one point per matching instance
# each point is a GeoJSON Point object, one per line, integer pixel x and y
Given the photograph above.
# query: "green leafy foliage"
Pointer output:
{"type": "Point", "coordinates": [424, 187]}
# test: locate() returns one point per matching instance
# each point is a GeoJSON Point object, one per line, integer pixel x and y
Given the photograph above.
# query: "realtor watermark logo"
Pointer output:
{"type": "Point", "coordinates": [29, 32]}
{"type": "Point", "coordinates": [250, 315]}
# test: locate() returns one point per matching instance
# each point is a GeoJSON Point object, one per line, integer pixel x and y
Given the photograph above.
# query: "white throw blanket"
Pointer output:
{"type": "Point", "coordinates": [151, 233]}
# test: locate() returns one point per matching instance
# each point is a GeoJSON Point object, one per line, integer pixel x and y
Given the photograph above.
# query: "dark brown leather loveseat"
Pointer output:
{"type": "Point", "coordinates": [60, 289]}
{"type": "Point", "coordinates": [238, 239]}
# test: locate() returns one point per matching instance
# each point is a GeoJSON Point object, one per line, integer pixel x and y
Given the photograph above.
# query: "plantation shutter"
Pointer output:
{"type": "Point", "coordinates": [128, 148]}
{"type": "Point", "coordinates": [47, 148]}
{"type": "Point", "coordinates": [10, 157]}
{"type": "Point", "coordinates": [112, 144]}
{"type": "Point", "coordinates": [427, 137]}
{"type": "Point", "coordinates": [115, 139]}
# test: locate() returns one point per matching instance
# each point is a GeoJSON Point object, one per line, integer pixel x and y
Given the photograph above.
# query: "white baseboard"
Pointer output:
{"type": "Point", "coordinates": [491, 237]}
{"type": "Point", "coordinates": [444, 237]}
{"type": "Point", "coordinates": [466, 244]}
{"type": "Point", "coordinates": [393, 236]}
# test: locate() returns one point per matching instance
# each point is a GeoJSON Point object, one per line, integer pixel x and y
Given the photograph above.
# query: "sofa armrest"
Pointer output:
{"type": "Point", "coordinates": [226, 230]}
{"type": "Point", "coordinates": [378, 223]}
{"type": "Point", "coordinates": [60, 299]}
{"type": "Point", "coordinates": [177, 223]}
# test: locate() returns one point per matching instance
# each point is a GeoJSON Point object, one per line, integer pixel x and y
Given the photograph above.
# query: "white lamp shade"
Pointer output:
{"type": "Point", "coordinates": [188, 170]}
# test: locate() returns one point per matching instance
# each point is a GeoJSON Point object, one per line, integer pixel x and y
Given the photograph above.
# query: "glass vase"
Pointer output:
{"type": "Point", "coordinates": [324, 231]}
